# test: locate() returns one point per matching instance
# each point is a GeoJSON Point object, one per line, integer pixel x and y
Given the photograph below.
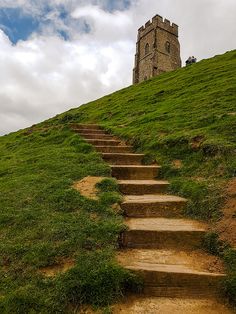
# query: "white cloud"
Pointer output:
{"type": "Point", "coordinates": [106, 26]}
{"type": "Point", "coordinates": [46, 75]}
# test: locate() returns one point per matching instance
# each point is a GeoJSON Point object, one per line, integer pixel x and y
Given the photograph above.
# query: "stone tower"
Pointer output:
{"type": "Point", "coordinates": [157, 49]}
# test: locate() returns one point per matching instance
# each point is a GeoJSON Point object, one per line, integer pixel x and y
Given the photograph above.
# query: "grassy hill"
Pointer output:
{"type": "Point", "coordinates": [185, 120]}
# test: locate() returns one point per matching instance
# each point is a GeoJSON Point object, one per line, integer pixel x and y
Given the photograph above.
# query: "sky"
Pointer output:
{"type": "Point", "coordinates": [59, 54]}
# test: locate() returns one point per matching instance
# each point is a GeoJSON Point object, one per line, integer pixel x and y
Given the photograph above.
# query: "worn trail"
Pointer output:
{"type": "Point", "coordinates": [160, 244]}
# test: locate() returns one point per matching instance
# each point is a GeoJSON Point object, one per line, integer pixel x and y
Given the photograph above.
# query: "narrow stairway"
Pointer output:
{"type": "Point", "coordinates": [160, 244]}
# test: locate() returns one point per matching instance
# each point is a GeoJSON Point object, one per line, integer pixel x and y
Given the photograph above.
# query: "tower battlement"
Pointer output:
{"type": "Point", "coordinates": [158, 21]}
{"type": "Point", "coordinates": [157, 49]}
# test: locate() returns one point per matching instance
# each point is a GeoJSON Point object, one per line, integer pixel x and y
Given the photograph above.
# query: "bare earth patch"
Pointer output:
{"type": "Point", "coordinates": [177, 164]}
{"type": "Point", "coordinates": [226, 227]}
{"type": "Point", "coordinates": [87, 186]}
{"type": "Point", "coordinates": [148, 305]}
{"type": "Point", "coordinates": [87, 310]}
{"type": "Point", "coordinates": [197, 142]}
{"type": "Point", "coordinates": [61, 267]}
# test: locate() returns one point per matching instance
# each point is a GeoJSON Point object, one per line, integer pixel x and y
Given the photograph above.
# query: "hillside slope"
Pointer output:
{"type": "Point", "coordinates": [185, 120]}
{"type": "Point", "coordinates": [56, 248]}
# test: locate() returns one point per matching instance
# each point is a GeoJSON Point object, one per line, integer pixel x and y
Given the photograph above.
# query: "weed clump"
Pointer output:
{"type": "Point", "coordinates": [95, 279]}
{"type": "Point", "coordinates": [108, 185]}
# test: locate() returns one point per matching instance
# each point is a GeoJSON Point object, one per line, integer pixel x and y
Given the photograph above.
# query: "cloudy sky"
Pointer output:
{"type": "Point", "coordinates": [58, 54]}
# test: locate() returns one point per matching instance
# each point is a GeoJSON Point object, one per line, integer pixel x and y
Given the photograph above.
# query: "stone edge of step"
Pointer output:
{"type": "Point", "coordinates": [189, 271]}
{"type": "Point", "coordinates": [163, 198]}
{"type": "Point", "coordinates": [136, 166]}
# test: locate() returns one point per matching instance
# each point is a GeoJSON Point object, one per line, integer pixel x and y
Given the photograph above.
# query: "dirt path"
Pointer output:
{"type": "Point", "coordinates": [149, 305]}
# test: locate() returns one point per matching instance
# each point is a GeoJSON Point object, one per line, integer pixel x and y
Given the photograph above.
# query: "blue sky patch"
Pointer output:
{"type": "Point", "coordinates": [113, 5]}
{"type": "Point", "coordinates": [16, 24]}
{"type": "Point", "coordinates": [19, 25]}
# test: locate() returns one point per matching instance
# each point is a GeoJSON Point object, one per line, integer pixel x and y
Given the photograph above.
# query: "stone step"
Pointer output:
{"type": "Point", "coordinates": [135, 172]}
{"type": "Point", "coordinates": [123, 158]}
{"type": "Point", "coordinates": [161, 205]}
{"type": "Point", "coordinates": [98, 136]}
{"type": "Point", "coordinates": [140, 187]}
{"type": "Point", "coordinates": [163, 233]}
{"type": "Point", "coordinates": [87, 126]}
{"type": "Point", "coordinates": [103, 142]}
{"type": "Point", "coordinates": [89, 131]}
{"type": "Point", "coordinates": [211, 289]}
{"type": "Point", "coordinates": [114, 149]}
{"type": "Point", "coordinates": [173, 273]}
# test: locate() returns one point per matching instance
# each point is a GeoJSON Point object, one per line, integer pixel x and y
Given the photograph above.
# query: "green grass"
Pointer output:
{"type": "Point", "coordinates": [44, 221]}
{"type": "Point", "coordinates": [213, 245]}
{"type": "Point", "coordinates": [186, 116]}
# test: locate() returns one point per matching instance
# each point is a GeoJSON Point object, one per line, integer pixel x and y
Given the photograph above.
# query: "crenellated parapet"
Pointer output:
{"type": "Point", "coordinates": [158, 22]}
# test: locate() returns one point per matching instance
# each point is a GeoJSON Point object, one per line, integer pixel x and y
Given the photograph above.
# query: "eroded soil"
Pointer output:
{"type": "Point", "coordinates": [149, 305]}
{"type": "Point", "coordinates": [170, 306]}
{"type": "Point", "coordinates": [226, 227]}
{"type": "Point", "coordinates": [87, 186]}
{"type": "Point", "coordinates": [61, 267]}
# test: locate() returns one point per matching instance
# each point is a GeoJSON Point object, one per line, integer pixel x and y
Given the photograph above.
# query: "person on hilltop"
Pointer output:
{"type": "Point", "coordinates": [191, 60]}
{"type": "Point", "coordinates": [188, 61]}
{"type": "Point", "coordinates": [194, 60]}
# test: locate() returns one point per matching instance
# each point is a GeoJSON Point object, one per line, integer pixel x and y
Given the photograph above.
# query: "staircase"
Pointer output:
{"type": "Point", "coordinates": [161, 245]}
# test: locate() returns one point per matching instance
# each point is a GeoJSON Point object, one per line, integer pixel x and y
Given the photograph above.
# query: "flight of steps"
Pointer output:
{"type": "Point", "coordinates": [159, 244]}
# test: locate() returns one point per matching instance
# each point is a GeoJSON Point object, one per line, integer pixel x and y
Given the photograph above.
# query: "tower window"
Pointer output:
{"type": "Point", "coordinates": [168, 46]}
{"type": "Point", "coordinates": [147, 49]}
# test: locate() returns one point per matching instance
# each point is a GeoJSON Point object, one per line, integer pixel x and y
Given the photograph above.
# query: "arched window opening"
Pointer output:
{"type": "Point", "coordinates": [147, 49]}
{"type": "Point", "coordinates": [168, 46]}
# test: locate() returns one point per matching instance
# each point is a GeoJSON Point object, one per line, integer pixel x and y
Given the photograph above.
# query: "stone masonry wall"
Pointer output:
{"type": "Point", "coordinates": [163, 53]}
